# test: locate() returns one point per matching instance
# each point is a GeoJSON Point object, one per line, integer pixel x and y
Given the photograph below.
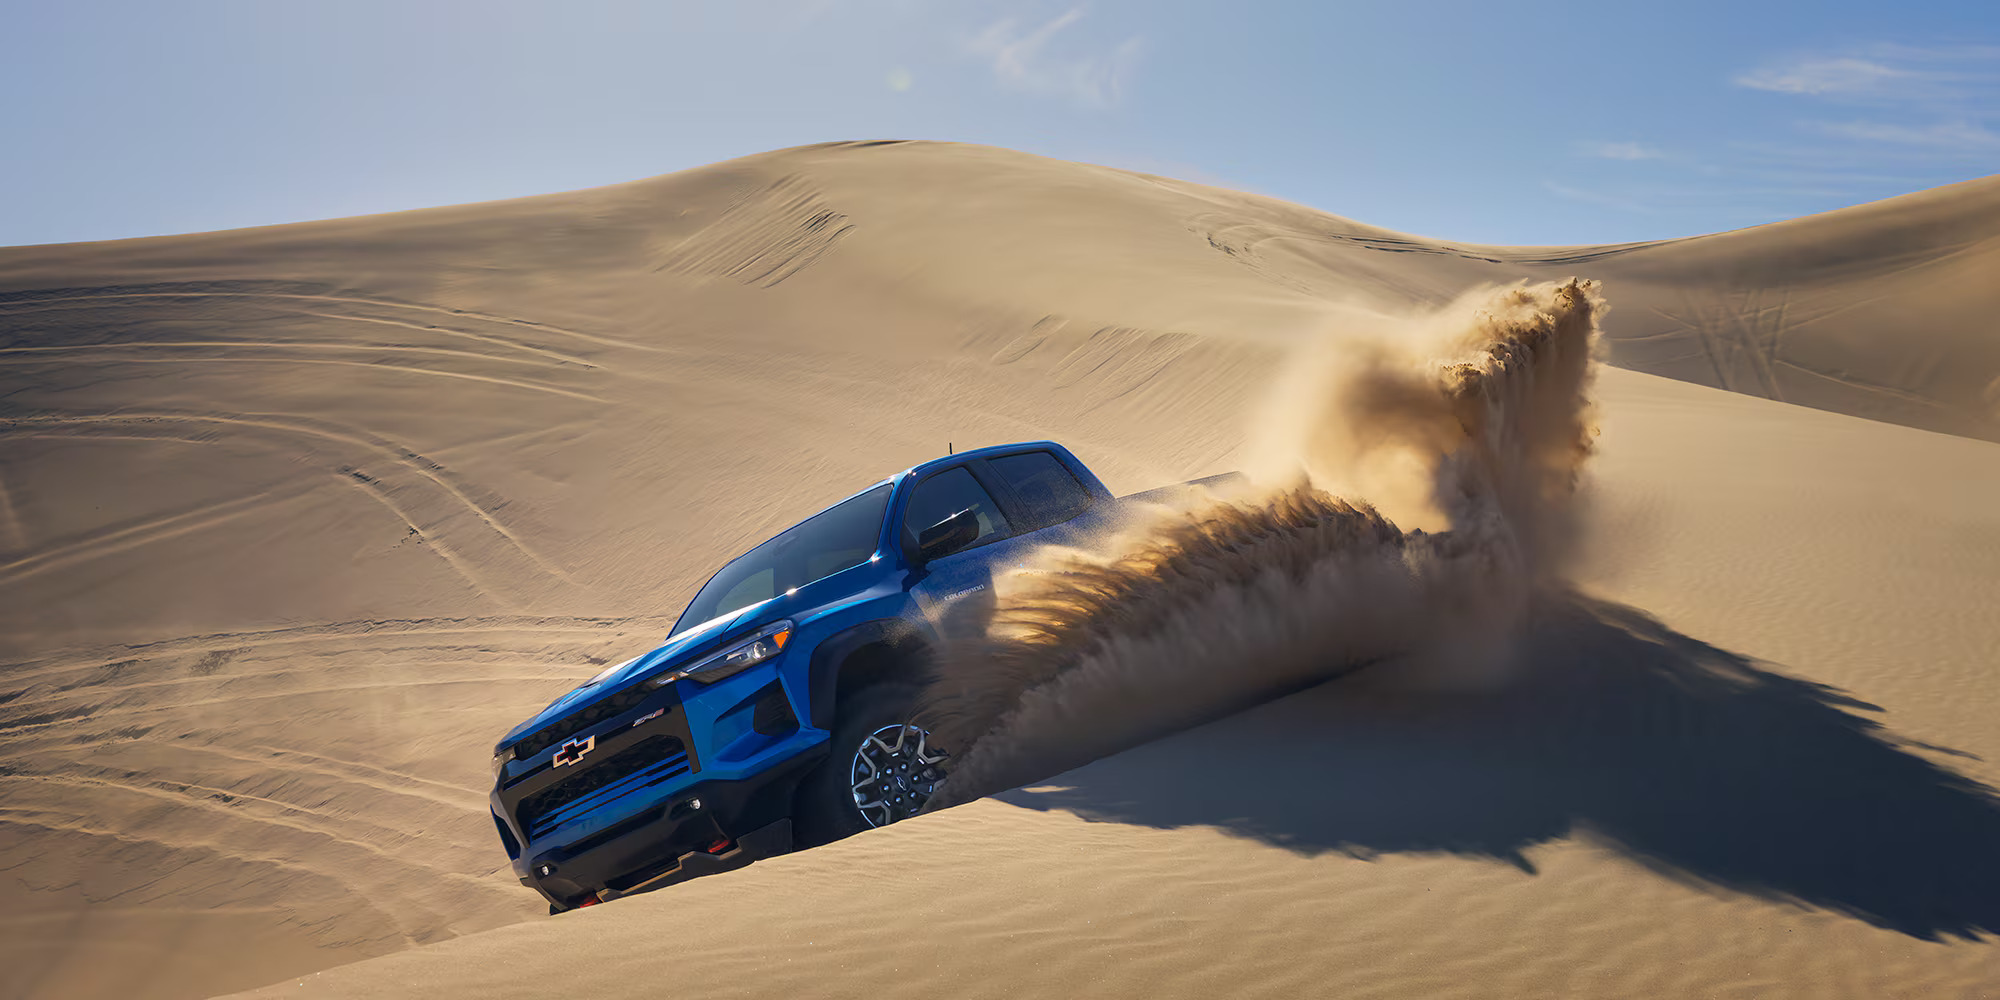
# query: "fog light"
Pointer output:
{"type": "Point", "coordinates": [694, 803]}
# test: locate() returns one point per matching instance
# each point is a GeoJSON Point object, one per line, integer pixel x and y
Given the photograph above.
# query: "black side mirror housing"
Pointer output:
{"type": "Point", "coordinates": [948, 536]}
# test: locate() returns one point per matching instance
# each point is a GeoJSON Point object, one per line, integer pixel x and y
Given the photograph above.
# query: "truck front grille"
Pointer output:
{"type": "Point", "coordinates": [584, 718]}
{"type": "Point", "coordinates": [648, 762]}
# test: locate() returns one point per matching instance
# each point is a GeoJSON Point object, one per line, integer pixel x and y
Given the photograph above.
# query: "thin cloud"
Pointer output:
{"type": "Point", "coordinates": [1620, 151]}
{"type": "Point", "coordinates": [1934, 53]}
{"type": "Point", "coordinates": [1922, 105]}
{"type": "Point", "coordinates": [1822, 76]}
{"type": "Point", "coordinates": [1600, 200]}
{"type": "Point", "coordinates": [1877, 120]}
{"type": "Point", "coordinates": [1955, 135]}
{"type": "Point", "coordinates": [1827, 153]}
{"type": "Point", "coordinates": [1021, 60]}
{"type": "Point", "coordinates": [1939, 80]}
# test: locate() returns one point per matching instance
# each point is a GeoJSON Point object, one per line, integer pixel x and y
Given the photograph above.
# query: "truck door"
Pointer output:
{"type": "Point", "coordinates": [956, 589]}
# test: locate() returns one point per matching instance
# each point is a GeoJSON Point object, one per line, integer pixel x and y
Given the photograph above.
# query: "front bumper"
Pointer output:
{"type": "Point", "coordinates": [709, 827]}
{"type": "Point", "coordinates": [663, 786]}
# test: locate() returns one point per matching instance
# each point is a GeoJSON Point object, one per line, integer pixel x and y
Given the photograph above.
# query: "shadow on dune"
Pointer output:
{"type": "Point", "coordinates": [1687, 758]}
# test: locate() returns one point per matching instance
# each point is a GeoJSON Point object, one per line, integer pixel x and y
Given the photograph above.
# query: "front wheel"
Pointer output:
{"type": "Point", "coordinates": [882, 768]}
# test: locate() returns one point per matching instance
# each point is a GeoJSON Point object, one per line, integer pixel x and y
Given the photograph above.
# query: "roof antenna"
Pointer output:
{"type": "Point", "coordinates": [948, 450]}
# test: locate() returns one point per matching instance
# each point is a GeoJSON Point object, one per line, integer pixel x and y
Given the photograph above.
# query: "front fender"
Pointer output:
{"type": "Point", "coordinates": [908, 636]}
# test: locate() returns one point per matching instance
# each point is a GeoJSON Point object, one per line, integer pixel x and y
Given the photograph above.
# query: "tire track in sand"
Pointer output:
{"type": "Point", "coordinates": [372, 365]}
{"type": "Point", "coordinates": [435, 544]}
{"type": "Point", "coordinates": [224, 802]}
{"type": "Point", "coordinates": [391, 782]}
{"type": "Point", "coordinates": [367, 897]}
{"type": "Point", "coordinates": [106, 691]}
{"type": "Point", "coordinates": [137, 535]}
{"type": "Point", "coordinates": [238, 699]}
{"type": "Point", "coordinates": [225, 289]}
{"type": "Point", "coordinates": [90, 351]}
{"type": "Point", "coordinates": [11, 533]}
{"type": "Point", "coordinates": [369, 629]}
{"type": "Point", "coordinates": [282, 424]}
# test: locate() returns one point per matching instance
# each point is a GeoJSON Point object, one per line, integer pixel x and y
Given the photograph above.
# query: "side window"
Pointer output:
{"type": "Point", "coordinates": [946, 494]}
{"type": "Point", "coordinates": [1051, 493]}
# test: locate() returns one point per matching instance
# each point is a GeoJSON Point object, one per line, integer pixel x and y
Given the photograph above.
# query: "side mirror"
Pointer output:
{"type": "Point", "coordinates": [948, 536]}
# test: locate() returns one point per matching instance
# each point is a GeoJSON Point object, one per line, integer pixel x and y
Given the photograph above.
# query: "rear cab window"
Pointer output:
{"type": "Point", "coordinates": [1048, 492]}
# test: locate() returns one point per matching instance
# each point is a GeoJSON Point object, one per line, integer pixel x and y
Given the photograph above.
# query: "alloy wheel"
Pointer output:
{"type": "Point", "coordinates": [894, 773]}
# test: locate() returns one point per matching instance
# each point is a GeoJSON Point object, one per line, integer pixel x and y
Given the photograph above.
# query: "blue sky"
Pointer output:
{"type": "Point", "coordinates": [1522, 122]}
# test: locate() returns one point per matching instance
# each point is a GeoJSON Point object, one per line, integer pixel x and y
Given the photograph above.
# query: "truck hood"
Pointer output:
{"type": "Point", "coordinates": [677, 646]}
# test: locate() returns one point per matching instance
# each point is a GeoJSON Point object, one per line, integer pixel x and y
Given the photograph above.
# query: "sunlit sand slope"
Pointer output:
{"type": "Point", "coordinates": [1771, 788]}
{"type": "Point", "coordinates": [295, 521]}
{"type": "Point", "coordinates": [1888, 310]}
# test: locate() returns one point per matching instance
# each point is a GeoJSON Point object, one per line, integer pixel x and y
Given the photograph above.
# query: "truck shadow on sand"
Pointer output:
{"type": "Point", "coordinates": [1689, 759]}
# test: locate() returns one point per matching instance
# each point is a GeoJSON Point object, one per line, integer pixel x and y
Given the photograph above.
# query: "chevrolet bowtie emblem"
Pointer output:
{"type": "Point", "coordinates": [573, 751]}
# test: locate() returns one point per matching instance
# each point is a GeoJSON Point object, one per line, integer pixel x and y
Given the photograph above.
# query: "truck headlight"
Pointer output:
{"type": "Point", "coordinates": [500, 761]}
{"type": "Point", "coordinates": [767, 643]}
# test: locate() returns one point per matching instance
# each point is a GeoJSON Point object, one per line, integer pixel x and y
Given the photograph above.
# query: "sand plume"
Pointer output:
{"type": "Point", "coordinates": [1473, 419]}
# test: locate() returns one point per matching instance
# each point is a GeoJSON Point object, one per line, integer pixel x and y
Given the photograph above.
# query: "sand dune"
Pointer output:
{"type": "Point", "coordinates": [1885, 310]}
{"type": "Point", "coordinates": [294, 521]}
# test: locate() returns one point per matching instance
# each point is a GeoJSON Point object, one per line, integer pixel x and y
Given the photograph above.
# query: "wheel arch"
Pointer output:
{"type": "Point", "coordinates": [882, 650]}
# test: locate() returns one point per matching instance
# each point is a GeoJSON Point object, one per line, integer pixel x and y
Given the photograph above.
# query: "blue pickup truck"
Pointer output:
{"type": "Point", "coordinates": [780, 710]}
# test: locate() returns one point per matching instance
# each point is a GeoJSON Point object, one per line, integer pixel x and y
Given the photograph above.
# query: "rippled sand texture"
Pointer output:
{"type": "Point", "coordinates": [295, 521]}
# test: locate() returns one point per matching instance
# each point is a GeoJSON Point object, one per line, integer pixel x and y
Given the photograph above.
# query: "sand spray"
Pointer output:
{"type": "Point", "coordinates": [1411, 491]}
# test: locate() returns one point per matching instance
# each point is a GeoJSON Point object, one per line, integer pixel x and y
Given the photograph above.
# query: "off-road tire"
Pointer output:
{"type": "Point", "coordinates": [824, 810]}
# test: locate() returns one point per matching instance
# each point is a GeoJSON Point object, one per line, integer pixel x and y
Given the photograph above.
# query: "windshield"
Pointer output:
{"type": "Point", "coordinates": [841, 537]}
